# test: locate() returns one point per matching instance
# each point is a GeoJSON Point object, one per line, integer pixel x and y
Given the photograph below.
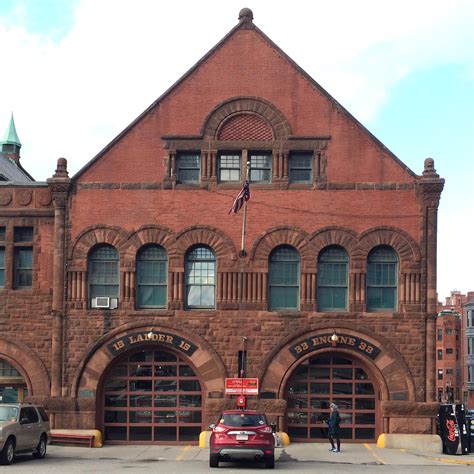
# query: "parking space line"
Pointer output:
{"type": "Point", "coordinates": [180, 456]}
{"type": "Point", "coordinates": [374, 454]}
{"type": "Point", "coordinates": [451, 461]}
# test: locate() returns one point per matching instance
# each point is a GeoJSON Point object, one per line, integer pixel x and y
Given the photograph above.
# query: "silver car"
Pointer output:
{"type": "Point", "coordinates": [23, 428]}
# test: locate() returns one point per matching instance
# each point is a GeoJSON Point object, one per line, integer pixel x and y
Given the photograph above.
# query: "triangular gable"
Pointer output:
{"type": "Point", "coordinates": [246, 23]}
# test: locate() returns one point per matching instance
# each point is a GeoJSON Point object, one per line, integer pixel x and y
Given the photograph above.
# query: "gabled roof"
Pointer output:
{"type": "Point", "coordinates": [245, 22]}
{"type": "Point", "coordinates": [13, 173]}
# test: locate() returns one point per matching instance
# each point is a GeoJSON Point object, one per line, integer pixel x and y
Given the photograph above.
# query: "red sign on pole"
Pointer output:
{"type": "Point", "coordinates": [245, 386]}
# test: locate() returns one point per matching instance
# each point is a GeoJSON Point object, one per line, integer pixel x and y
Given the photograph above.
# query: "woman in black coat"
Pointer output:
{"type": "Point", "coordinates": [334, 432]}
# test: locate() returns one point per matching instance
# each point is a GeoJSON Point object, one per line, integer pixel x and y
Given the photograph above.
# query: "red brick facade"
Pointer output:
{"type": "Point", "coordinates": [245, 95]}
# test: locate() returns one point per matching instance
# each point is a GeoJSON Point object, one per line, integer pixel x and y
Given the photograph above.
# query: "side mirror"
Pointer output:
{"type": "Point", "coordinates": [212, 426]}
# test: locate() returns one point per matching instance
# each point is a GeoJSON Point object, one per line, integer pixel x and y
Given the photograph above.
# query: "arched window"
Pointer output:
{"type": "Point", "coordinates": [332, 279]}
{"type": "Point", "coordinates": [151, 277]}
{"type": "Point", "coordinates": [103, 272]}
{"type": "Point", "coordinates": [382, 265]}
{"type": "Point", "coordinates": [284, 278]}
{"type": "Point", "coordinates": [200, 278]}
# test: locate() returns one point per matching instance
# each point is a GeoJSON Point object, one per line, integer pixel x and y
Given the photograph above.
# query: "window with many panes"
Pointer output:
{"type": "Point", "coordinates": [23, 257]}
{"type": "Point", "coordinates": [284, 278]}
{"type": "Point", "coordinates": [104, 272]}
{"type": "Point", "coordinates": [200, 278]}
{"type": "Point", "coordinates": [332, 279]}
{"type": "Point", "coordinates": [300, 168]}
{"type": "Point", "coordinates": [229, 167]}
{"type": "Point", "coordinates": [7, 370]}
{"type": "Point", "coordinates": [2, 257]}
{"type": "Point", "coordinates": [188, 167]}
{"type": "Point", "coordinates": [260, 167]}
{"type": "Point", "coordinates": [382, 266]}
{"type": "Point", "coordinates": [151, 277]}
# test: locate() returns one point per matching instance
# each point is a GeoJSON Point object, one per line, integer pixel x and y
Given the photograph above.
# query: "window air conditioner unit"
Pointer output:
{"type": "Point", "coordinates": [104, 302]}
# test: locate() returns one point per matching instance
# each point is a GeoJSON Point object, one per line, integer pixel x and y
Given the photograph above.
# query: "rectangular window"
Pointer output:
{"type": "Point", "coordinates": [470, 346]}
{"type": "Point", "coordinates": [23, 267]}
{"type": "Point", "coordinates": [449, 371]}
{"type": "Point", "coordinates": [440, 374]}
{"type": "Point", "coordinates": [188, 167]}
{"type": "Point", "coordinates": [449, 332]}
{"type": "Point", "coordinates": [300, 168]}
{"type": "Point", "coordinates": [229, 167]}
{"type": "Point", "coordinates": [260, 167]}
{"type": "Point", "coordinates": [2, 234]}
{"type": "Point", "coordinates": [449, 350]}
{"type": "Point", "coordinates": [22, 234]}
{"type": "Point", "coordinates": [440, 354]}
{"type": "Point", "coordinates": [440, 334]}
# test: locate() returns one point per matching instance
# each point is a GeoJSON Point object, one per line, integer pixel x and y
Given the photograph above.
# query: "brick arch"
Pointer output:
{"type": "Point", "coordinates": [241, 105]}
{"type": "Point", "coordinates": [329, 236]}
{"type": "Point", "coordinates": [210, 236]}
{"type": "Point", "coordinates": [211, 369]}
{"type": "Point", "coordinates": [149, 234]}
{"type": "Point", "coordinates": [406, 248]}
{"type": "Point", "coordinates": [284, 235]}
{"type": "Point", "coordinates": [390, 370]}
{"type": "Point", "coordinates": [30, 366]}
{"type": "Point", "coordinates": [92, 236]}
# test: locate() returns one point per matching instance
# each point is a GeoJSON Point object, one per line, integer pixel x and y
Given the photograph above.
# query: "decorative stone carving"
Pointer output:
{"type": "Point", "coordinates": [43, 197]}
{"type": "Point", "coordinates": [23, 196]}
{"type": "Point", "coordinates": [5, 197]}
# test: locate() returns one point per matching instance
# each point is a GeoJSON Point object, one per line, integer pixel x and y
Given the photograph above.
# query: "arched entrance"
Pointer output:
{"type": "Point", "coordinates": [331, 378]}
{"type": "Point", "coordinates": [13, 386]}
{"type": "Point", "coordinates": [152, 395]}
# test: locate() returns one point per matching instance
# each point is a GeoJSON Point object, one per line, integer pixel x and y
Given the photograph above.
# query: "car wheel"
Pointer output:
{"type": "Point", "coordinates": [40, 452]}
{"type": "Point", "coordinates": [213, 460]}
{"type": "Point", "coordinates": [270, 462]}
{"type": "Point", "coordinates": [8, 454]}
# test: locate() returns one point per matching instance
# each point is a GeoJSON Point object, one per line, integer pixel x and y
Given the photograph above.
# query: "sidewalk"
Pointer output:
{"type": "Point", "coordinates": [361, 454]}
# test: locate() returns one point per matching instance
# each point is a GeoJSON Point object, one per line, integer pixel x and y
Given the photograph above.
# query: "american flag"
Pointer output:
{"type": "Point", "coordinates": [243, 196]}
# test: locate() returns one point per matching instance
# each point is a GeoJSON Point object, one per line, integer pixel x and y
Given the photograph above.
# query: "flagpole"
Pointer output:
{"type": "Point", "coordinates": [242, 252]}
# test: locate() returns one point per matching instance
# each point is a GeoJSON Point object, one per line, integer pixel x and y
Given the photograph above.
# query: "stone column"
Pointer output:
{"type": "Point", "coordinates": [429, 191]}
{"type": "Point", "coordinates": [59, 188]}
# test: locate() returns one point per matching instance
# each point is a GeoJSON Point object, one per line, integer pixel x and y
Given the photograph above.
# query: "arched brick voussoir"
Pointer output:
{"type": "Point", "coordinates": [210, 367]}
{"type": "Point", "coordinates": [262, 107]}
{"type": "Point", "coordinates": [149, 234]}
{"type": "Point", "coordinates": [327, 236]}
{"type": "Point", "coordinates": [402, 242]}
{"type": "Point", "coordinates": [95, 235]}
{"type": "Point", "coordinates": [204, 235]}
{"type": "Point", "coordinates": [30, 366]}
{"type": "Point", "coordinates": [284, 235]}
{"type": "Point", "coordinates": [389, 368]}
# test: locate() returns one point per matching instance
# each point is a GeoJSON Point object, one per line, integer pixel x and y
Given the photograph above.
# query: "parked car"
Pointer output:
{"type": "Point", "coordinates": [242, 435]}
{"type": "Point", "coordinates": [23, 428]}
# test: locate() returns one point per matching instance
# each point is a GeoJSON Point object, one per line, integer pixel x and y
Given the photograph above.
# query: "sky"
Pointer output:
{"type": "Point", "coordinates": [75, 73]}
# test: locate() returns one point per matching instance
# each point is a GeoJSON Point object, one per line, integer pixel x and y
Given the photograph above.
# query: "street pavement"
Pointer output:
{"type": "Point", "coordinates": [300, 457]}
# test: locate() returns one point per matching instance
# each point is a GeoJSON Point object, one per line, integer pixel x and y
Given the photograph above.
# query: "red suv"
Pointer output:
{"type": "Point", "coordinates": [242, 435]}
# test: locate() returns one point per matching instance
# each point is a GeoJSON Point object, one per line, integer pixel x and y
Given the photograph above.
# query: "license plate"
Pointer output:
{"type": "Point", "coordinates": [242, 437]}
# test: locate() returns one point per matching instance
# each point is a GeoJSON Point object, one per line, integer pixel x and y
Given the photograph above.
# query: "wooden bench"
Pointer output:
{"type": "Point", "coordinates": [73, 438]}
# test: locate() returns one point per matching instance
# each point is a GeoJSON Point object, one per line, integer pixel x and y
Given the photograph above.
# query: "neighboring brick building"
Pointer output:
{"type": "Point", "coordinates": [142, 301]}
{"type": "Point", "coordinates": [448, 357]}
{"type": "Point", "coordinates": [460, 311]}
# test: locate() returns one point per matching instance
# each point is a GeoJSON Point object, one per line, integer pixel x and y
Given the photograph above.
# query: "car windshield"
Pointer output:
{"type": "Point", "coordinates": [8, 413]}
{"type": "Point", "coordinates": [237, 420]}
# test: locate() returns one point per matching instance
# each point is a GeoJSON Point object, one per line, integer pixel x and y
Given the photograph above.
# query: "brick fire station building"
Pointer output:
{"type": "Point", "coordinates": [126, 298]}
